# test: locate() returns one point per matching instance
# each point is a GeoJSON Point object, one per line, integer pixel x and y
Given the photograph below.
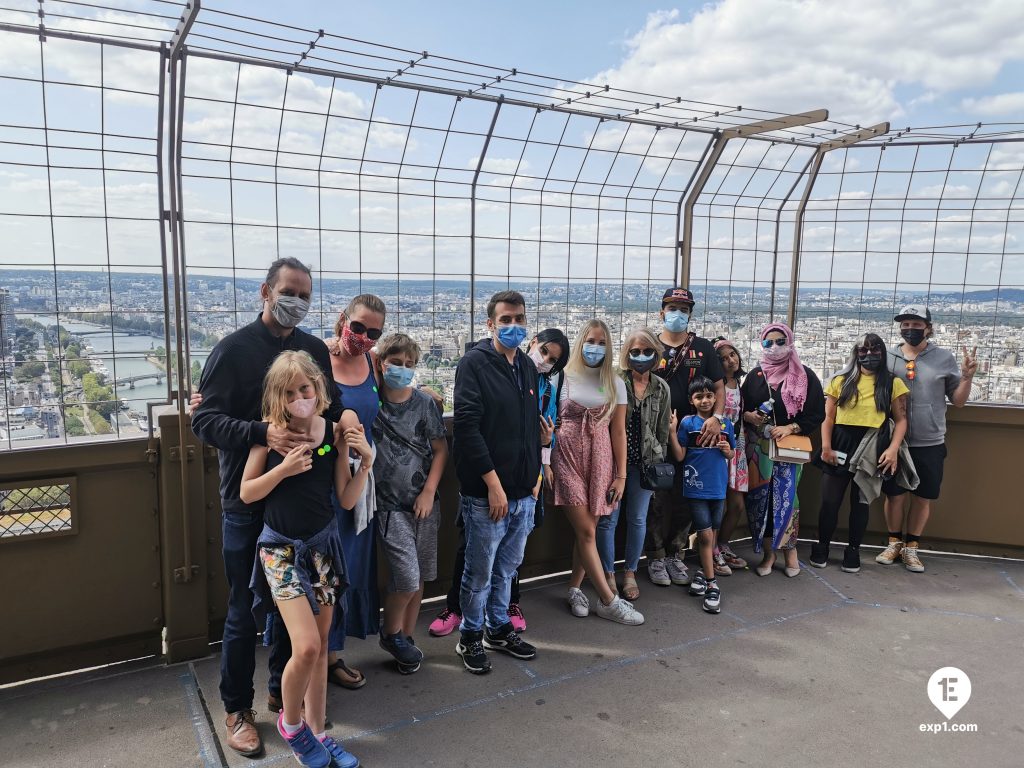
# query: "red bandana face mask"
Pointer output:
{"type": "Point", "coordinates": [355, 343]}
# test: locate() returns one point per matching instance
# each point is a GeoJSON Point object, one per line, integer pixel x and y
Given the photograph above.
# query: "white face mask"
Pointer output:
{"type": "Point", "coordinates": [543, 366]}
{"type": "Point", "coordinates": [777, 353]}
{"type": "Point", "coordinates": [302, 408]}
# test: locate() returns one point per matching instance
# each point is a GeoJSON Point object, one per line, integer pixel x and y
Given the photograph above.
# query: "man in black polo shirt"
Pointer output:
{"type": "Point", "coordinates": [686, 355]}
{"type": "Point", "coordinates": [230, 419]}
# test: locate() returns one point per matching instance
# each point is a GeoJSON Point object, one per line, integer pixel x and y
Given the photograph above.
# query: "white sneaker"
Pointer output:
{"type": "Point", "coordinates": [677, 571]}
{"type": "Point", "coordinates": [656, 572]}
{"type": "Point", "coordinates": [621, 611]}
{"type": "Point", "coordinates": [578, 603]}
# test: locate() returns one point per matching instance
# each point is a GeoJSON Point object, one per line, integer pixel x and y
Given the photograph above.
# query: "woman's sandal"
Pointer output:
{"type": "Point", "coordinates": [356, 679]}
{"type": "Point", "coordinates": [630, 590]}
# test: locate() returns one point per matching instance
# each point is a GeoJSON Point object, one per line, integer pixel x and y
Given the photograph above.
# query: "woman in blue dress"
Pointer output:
{"type": "Point", "coordinates": [356, 332]}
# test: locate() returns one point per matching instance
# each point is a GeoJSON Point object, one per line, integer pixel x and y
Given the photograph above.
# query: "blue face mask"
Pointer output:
{"type": "Point", "coordinates": [676, 321]}
{"type": "Point", "coordinates": [593, 354]}
{"type": "Point", "coordinates": [398, 376]}
{"type": "Point", "coordinates": [511, 336]}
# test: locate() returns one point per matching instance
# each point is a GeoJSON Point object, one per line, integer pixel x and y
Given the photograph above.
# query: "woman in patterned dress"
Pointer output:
{"type": "Point", "coordinates": [589, 463]}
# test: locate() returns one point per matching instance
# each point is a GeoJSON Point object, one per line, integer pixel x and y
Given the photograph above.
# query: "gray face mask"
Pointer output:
{"type": "Point", "coordinates": [289, 311]}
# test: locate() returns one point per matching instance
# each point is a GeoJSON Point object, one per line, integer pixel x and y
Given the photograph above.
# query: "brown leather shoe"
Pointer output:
{"type": "Point", "coordinates": [243, 736]}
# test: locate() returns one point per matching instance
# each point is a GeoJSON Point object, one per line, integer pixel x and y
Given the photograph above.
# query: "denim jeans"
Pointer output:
{"type": "Point", "coordinates": [668, 521]}
{"type": "Point", "coordinates": [494, 551]}
{"type": "Point", "coordinates": [240, 531]}
{"type": "Point", "coordinates": [707, 514]}
{"type": "Point", "coordinates": [636, 500]}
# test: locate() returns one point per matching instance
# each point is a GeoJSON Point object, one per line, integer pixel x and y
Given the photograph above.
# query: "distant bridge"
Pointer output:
{"type": "Point", "coordinates": [107, 331]}
{"type": "Point", "coordinates": [158, 376]}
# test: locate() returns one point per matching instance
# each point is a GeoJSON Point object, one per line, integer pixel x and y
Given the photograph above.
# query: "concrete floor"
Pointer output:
{"type": "Point", "coordinates": [824, 668]}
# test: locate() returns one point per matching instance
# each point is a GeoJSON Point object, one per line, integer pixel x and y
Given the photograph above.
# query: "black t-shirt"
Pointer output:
{"type": "Point", "coordinates": [700, 359]}
{"type": "Point", "coordinates": [300, 507]}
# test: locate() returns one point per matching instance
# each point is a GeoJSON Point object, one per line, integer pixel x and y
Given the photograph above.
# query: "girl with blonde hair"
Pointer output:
{"type": "Point", "coordinates": [589, 463]}
{"type": "Point", "coordinates": [299, 561]}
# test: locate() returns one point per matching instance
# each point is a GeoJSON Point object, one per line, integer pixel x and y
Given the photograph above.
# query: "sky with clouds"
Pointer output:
{"type": "Point", "coordinates": [916, 63]}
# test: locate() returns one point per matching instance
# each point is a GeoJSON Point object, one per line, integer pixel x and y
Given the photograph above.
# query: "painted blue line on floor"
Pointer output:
{"type": "Point", "coordinates": [1012, 583]}
{"type": "Point", "coordinates": [208, 752]}
{"type": "Point", "coordinates": [824, 581]}
{"type": "Point", "coordinates": [526, 670]}
{"type": "Point", "coordinates": [938, 612]}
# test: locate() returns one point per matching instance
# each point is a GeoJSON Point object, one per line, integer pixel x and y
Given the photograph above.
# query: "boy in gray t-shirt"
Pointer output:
{"type": "Point", "coordinates": [411, 453]}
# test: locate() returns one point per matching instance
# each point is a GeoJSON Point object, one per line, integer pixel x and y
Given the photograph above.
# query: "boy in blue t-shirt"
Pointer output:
{"type": "Point", "coordinates": [705, 482]}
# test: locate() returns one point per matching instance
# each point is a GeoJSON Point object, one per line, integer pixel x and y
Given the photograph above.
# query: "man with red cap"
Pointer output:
{"type": "Point", "coordinates": [686, 356]}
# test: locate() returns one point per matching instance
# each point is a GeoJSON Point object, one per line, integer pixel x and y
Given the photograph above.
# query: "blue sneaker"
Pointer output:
{"type": "Point", "coordinates": [307, 750]}
{"type": "Point", "coordinates": [399, 646]}
{"type": "Point", "coordinates": [339, 757]}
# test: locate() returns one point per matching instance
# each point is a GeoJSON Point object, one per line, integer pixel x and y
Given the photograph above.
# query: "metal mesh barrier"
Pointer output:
{"type": "Point", "coordinates": [158, 158]}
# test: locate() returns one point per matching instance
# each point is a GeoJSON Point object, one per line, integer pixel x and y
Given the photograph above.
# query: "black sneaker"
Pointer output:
{"type": "Point", "coordinates": [713, 598]}
{"type": "Point", "coordinates": [819, 555]}
{"type": "Point", "coordinates": [851, 560]}
{"type": "Point", "coordinates": [398, 645]}
{"type": "Point", "coordinates": [471, 649]}
{"type": "Point", "coordinates": [507, 640]}
{"type": "Point", "coordinates": [699, 585]}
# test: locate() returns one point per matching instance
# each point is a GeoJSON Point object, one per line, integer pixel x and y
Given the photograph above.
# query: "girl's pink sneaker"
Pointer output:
{"type": "Point", "coordinates": [515, 615]}
{"type": "Point", "coordinates": [446, 622]}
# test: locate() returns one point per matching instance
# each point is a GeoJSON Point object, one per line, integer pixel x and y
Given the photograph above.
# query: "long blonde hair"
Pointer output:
{"type": "Point", "coordinates": [577, 365]}
{"type": "Point", "coordinates": [282, 372]}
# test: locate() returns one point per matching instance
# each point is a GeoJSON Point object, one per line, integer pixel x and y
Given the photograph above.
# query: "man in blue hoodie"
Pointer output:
{"type": "Point", "coordinates": [496, 445]}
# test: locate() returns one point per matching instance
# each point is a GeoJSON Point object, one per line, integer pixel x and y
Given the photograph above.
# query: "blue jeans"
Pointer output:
{"type": "Point", "coordinates": [707, 513]}
{"type": "Point", "coordinates": [636, 499]}
{"type": "Point", "coordinates": [241, 531]}
{"type": "Point", "coordinates": [494, 551]}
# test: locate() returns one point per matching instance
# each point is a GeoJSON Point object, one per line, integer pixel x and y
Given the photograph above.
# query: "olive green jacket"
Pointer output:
{"type": "Point", "coordinates": [654, 413]}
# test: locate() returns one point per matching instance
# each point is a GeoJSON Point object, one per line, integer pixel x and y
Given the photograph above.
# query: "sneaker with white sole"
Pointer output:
{"type": "Point", "coordinates": [713, 598]}
{"type": "Point", "coordinates": [507, 640]}
{"type": "Point", "coordinates": [891, 553]}
{"type": "Point", "coordinates": [621, 611]}
{"type": "Point", "coordinates": [911, 560]}
{"type": "Point", "coordinates": [578, 603]}
{"type": "Point", "coordinates": [721, 567]}
{"type": "Point", "coordinates": [471, 648]}
{"type": "Point", "coordinates": [656, 572]}
{"type": "Point", "coordinates": [733, 560]}
{"type": "Point", "coordinates": [677, 571]}
{"type": "Point", "coordinates": [699, 585]}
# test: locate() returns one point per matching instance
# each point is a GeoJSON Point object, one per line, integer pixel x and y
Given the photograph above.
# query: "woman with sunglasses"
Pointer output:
{"type": "Point", "coordinates": [859, 400]}
{"type": "Point", "coordinates": [781, 397]}
{"type": "Point", "coordinates": [648, 405]}
{"type": "Point", "coordinates": [354, 366]}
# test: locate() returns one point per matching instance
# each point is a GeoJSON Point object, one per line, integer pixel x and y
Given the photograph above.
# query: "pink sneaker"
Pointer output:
{"type": "Point", "coordinates": [446, 622]}
{"type": "Point", "coordinates": [515, 615]}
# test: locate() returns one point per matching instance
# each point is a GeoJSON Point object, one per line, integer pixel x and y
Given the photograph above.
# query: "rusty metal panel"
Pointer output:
{"type": "Point", "coordinates": [94, 596]}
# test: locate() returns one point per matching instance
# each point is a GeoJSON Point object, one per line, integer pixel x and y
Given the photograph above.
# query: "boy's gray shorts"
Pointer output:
{"type": "Point", "coordinates": [410, 546]}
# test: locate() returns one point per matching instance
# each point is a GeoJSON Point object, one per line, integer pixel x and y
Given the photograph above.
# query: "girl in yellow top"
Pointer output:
{"type": "Point", "coordinates": [859, 398]}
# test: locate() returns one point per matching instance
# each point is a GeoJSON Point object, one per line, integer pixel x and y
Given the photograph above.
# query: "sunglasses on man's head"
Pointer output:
{"type": "Point", "coordinates": [637, 352]}
{"type": "Point", "coordinates": [361, 330]}
{"type": "Point", "coordinates": [767, 343]}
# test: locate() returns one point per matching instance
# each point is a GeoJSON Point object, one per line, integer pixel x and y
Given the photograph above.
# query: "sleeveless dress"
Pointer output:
{"type": "Point", "coordinates": [582, 458]}
{"type": "Point", "coordinates": [738, 477]}
{"type": "Point", "coordinates": [361, 616]}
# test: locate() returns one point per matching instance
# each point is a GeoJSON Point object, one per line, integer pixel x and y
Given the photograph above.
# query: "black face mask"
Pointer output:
{"type": "Point", "coordinates": [870, 362]}
{"type": "Point", "coordinates": [913, 336]}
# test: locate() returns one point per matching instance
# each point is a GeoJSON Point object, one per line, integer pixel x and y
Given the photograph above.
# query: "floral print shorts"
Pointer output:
{"type": "Point", "coordinates": [279, 568]}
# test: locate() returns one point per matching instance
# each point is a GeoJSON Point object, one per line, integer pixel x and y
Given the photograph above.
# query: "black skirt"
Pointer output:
{"type": "Point", "coordinates": [845, 439]}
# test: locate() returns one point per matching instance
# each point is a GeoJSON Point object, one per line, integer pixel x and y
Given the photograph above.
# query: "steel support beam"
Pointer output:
{"type": "Point", "coordinates": [723, 137]}
{"type": "Point", "coordinates": [188, 18]}
{"type": "Point", "coordinates": [843, 141]}
{"type": "Point", "coordinates": [472, 220]}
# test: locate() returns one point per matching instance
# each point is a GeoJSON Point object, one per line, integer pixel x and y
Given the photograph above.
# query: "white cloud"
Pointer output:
{"type": "Point", "coordinates": [856, 59]}
{"type": "Point", "coordinates": [996, 105]}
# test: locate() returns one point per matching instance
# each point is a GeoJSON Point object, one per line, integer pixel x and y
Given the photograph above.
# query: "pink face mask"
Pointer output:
{"type": "Point", "coordinates": [355, 343]}
{"type": "Point", "coordinates": [543, 366]}
{"type": "Point", "coordinates": [302, 408]}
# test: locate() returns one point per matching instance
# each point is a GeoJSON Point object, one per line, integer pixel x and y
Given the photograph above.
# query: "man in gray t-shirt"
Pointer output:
{"type": "Point", "coordinates": [933, 377]}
